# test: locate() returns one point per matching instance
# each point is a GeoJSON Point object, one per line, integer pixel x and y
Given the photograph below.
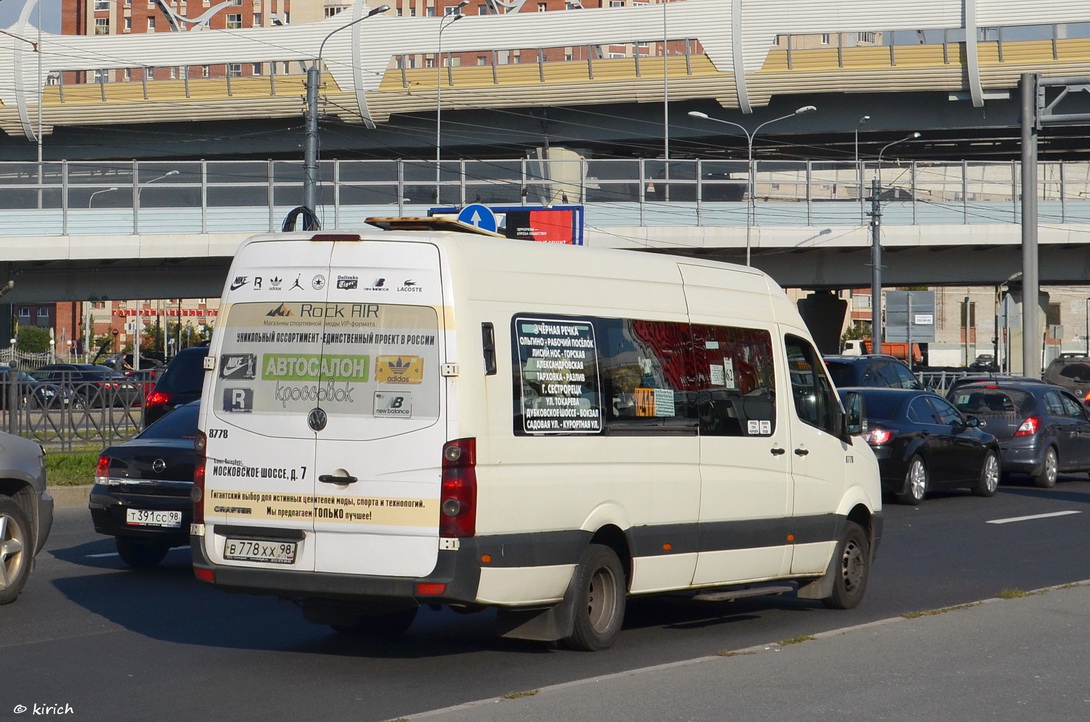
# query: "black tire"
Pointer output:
{"type": "Point", "coordinates": [916, 479]}
{"type": "Point", "coordinates": [989, 476]}
{"type": "Point", "coordinates": [16, 549]}
{"type": "Point", "coordinates": [379, 626]}
{"type": "Point", "coordinates": [852, 568]}
{"type": "Point", "coordinates": [1046, 476]}
{"type": "Point", "coordinates": [142, 555]}
{"type": "Point", "coordinates": [600, 592]}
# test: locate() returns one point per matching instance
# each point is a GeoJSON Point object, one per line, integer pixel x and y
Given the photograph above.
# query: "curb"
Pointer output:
{"type": "Point", "coordinates": [70, 495]}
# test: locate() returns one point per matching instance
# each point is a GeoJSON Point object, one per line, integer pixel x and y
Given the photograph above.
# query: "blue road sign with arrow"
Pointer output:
{"type": "Point", "coordinates": [479, 216]}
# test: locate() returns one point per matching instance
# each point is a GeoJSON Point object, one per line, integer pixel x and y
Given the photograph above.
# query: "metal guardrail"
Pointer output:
{"type": "Point", "coordinates": [95, 198]}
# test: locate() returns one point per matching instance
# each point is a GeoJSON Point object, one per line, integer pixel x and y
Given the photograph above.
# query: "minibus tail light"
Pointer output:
{"type": "Point", "coordinates": [458, 495]}
{"type": "Point", "coordinates": [197, 493]}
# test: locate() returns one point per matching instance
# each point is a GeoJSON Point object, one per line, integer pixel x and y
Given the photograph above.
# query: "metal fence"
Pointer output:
{"type": "Point", "coordinates": [96, 198]}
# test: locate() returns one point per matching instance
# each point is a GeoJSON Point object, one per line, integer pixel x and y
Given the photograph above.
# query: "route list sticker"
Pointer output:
{"type": "Point", "coordinates": [558, 364]}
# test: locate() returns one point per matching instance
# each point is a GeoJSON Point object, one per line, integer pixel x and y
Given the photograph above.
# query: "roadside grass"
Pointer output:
{"type": "Point", "coordinates": [797, 640]}
{"type": "Point", "coordinates": [70, 468]}
{"type": "Point", "coordinates": [520, 695]}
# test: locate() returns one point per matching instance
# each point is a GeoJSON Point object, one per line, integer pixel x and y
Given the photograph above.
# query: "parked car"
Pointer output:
{"type": "Point", "coordinates": [26, 512]}
{"type": "Point", "coordinates": [871, 370]}
{"type": "Point", "coordinates": [30, 392]}
{"type": "Point", "coordinates": [97, 386]}
{"type": "Point", "coordinates": [179, 384]}
{"type": "Point", "coordinates": [987, 378]}
{"type": "Point", "coordinates": [1042, 429]}
{"type": "Point", "coordinates": [923, 443]}
{"type": "Point", "coordinates": [1072, 371]}
{"type": "Point", "coordinates": [142, 486]}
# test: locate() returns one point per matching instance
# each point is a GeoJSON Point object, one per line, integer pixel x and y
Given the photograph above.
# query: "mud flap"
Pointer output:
{"type": "Point", "coordinates": [539, 624]}
{"type": "Point", "coordinates": [822, 587]}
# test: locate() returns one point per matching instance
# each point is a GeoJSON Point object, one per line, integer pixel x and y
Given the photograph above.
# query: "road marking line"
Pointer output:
{"type": "Point", "coordinates": [1035, 516]}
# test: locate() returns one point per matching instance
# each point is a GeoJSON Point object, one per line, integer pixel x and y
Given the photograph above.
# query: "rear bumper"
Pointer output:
{"type": "Point", "coordinates": [109, 508]}
{"type": "Point", "coordinates": [1024, 456]}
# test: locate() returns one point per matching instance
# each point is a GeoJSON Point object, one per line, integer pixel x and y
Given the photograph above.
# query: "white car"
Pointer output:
{"type": "Point", "coordinates": [26, 512]}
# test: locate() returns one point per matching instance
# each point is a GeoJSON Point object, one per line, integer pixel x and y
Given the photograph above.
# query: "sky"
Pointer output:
{"type": "Point", "coordinates": [51, 14]}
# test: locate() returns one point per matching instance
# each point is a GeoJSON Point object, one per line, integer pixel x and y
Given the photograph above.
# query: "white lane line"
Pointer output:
{"type": "Point", "coordinates": [1035, 516]}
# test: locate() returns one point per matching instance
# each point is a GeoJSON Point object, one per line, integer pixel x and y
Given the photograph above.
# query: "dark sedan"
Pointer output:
{"type": "Point", "coordinates": [923, 443]}
{"type": "Point", "coordinates": [96, 386]}
{"type": "Point", "coordinates": [141, 492]}
{"type": "Point", "coordinates": [1042, 429]}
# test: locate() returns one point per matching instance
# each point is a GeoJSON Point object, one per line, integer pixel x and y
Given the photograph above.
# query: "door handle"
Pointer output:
{"type": "Point", "coordinates": [340, 476]}
{"type": "Point", "coordinates": [801, 452]}
{"type": "Point", "coordinates": [777, 451]}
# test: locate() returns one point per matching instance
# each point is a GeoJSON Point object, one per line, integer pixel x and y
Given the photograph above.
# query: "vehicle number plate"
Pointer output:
{"type": "Point", "coordinates": [253, 550]}
{"type": "Point", "coordinates": [150, 517]}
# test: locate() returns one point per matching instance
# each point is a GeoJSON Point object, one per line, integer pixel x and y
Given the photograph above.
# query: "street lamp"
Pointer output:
{"type": "Point", "coordinates": [168, 174]}
{"type": "Point", "coordinates": [858, 166]}
{"type": "Point", "coordinates": [310, 140]}
{"type": "Point", "coordinates": [876, 250]}
{"type": "Point", "coordinates": [454, 16]}
{"type": "Point", "coordinates": [751, 208]}
{"type": "Point", "coordinates": [104, 190]}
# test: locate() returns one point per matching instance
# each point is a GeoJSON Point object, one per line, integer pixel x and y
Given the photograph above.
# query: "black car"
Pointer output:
{"type": "Point", "coordinates": [1042, 429]}
{"type": "Point", "coordinates": [29, 392]}
{"type": "Point", "coordinates": [26, 512]}
{"type": "Point", "coordinates": [923, 443]}
{"type": "Point", "coordinates": [179, 384]}
{"type": "Point", "coordinates": [987, 378]}
{"type": "Point", "coordinates": [96, 386]}
{"type": "Point", "coordinates": [871, 370]}
{"type": "Point", "coordinates": [141, 492]}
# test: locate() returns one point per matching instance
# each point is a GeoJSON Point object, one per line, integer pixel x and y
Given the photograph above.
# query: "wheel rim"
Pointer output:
{"type": "Point", "coordinates": [917, 479]}
{"type": "Point", "coordinates": [853, 566]}
{"type": "Point", "coordinates": [602, 599]}
{"type": "Point", "coordinates": [1051, 465]}
{"type": "Point", "coordinates": [991, 473]}
{"type": "Point", "coordinates": [13, 542]}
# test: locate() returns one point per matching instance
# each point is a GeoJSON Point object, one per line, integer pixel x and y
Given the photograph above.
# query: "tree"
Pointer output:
{"type": "Point", "coordinates": [32, 339]}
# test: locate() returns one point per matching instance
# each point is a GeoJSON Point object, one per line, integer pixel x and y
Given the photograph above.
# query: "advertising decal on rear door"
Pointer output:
{"type": "Point", "coordinates": [268, 505]}
{"type": "Point", "coordinates": [349, 358]}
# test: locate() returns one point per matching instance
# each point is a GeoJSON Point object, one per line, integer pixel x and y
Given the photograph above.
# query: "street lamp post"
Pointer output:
{"type": "Point", "coordinates": [444, 23]}
{"type": "Point", "coordinates": [859, 166]}
{"type": "Point", "coordinates": [310, 140]}
{"type": "Point", "coordinates": [876, 250]}
{"type": "Point", "coordinates": [104, 190]}
{"type": "Point", "coordinates": [751, 208]}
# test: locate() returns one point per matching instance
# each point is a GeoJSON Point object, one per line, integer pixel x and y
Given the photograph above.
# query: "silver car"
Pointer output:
{"type": "Point", "coordinates": [26, 512]}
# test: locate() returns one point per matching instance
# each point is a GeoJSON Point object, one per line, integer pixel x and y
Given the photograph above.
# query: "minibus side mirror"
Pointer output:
{"type": "Point", "coordinates": [855, 413]}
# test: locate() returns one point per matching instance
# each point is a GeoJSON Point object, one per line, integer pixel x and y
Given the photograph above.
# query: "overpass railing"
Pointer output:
{"type": "Point", "coordinates": [160, 197]}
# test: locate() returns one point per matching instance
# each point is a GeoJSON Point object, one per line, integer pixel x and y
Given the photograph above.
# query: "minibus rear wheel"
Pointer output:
{"type": "Point", "coordinates": [599, 600]}
{"type": "Point", "coordinates": [851, 568]}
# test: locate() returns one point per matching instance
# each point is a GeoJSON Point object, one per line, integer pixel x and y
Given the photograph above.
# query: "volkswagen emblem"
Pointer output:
{"type": "Point", "coordinates": [159, 466]}
{"type": "Point", "coordinates": [317, 419]}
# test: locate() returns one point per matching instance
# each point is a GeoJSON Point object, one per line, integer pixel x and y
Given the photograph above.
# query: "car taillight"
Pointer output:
{"type": "Point", "coordinates": [877, 437]}
{"type": "Point", "coordinates": [1028, 427]}
{"type": "Point", "coordinates": [102, 471]}
{"type": "Point", "coordinates": [458, 496]}
{"type": "Point", "coordinates": [197, 492]}
{"type": "Point", "coordinates": [158, 398]}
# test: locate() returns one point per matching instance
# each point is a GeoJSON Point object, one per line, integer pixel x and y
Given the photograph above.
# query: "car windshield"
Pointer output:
{"type": "Point", "coordinates": [181, 423]}
{"type": "Point", "coordinates": [980, 401]}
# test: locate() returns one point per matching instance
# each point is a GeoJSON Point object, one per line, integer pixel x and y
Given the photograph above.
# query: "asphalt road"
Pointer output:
{"type": "Point", "coordinates": [115, 644]}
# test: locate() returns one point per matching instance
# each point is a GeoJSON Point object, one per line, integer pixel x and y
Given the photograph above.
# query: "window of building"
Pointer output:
{"type": "Point", "coordinates": [825, 38]}
{"type": "Point", "coordinates": [234, 70]}
{"type": "Point", "coordinates": [43, 312]}
{"type": "Point", "coordinates": [173, 72]}
{"type": "Point", "coordinates": [102, 26]}
{"type": "Point", "coordinates": [204, 71]}
{"type": "Point", "coordinates": [256, 69]}
{"type": "Point", "coordinates": [101, 76]}
{"type": "Point", "coordinates": [454, 10]}
{"type": "Point", "coordinates": [24, 312]}
{"type": "Point", "coordinates": [865, 38]}
{"type": "Point", "coordinates": [151, 25]}
{"type": "Point", "coordinates": [616, 3]}
{"type": "Point", "coordinates": [234, 21]}
{"type": "Point", "coordinates": [482, 60]}
{"type": "Point", "coordinates": [149, 73]}
{"type": "Point", "coordinates": [482, 9]}
{"type": "Point", "coordinates": [101, 5]}
{"type": "Point", "coordinates": [542, 7]}
{"type": "Point", "coordinates": [128, 25]}
{"type": "Point", "coordinates": [258, 20]}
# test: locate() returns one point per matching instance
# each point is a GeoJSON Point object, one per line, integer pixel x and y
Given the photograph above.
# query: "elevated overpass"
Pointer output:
{"type": "Point", "coordinates": [609, 82]}
{"type": "Point", "coordinates": [89, 231]}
